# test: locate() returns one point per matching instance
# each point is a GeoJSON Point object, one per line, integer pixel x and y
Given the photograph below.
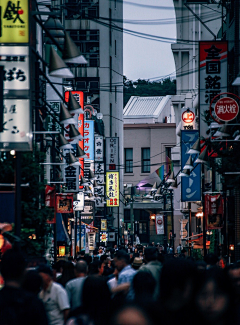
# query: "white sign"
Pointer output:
{"type": "Point", "coordinates": [91, 240]}
{"type": "Point", "coordinates": [16, 124]}
{"type": "Point", "coordinates": [112, 148]}
{"type": "Point", "coordinates": [15, 60]}
{"type": "Point", "coordinates": [188, 119]}
{"type": "Point", "coordinates": [99, 168]}
{"type": "Point", "coordinates": [79, 204]}
{"type": "Point", "coordinates": [98, 148]}
{"type": "Point", "coordinates": [159, 223]}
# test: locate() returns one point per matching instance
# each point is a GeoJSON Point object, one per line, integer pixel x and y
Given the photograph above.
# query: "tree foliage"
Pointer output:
{"type": "Point", "coordinates": [143, 87]}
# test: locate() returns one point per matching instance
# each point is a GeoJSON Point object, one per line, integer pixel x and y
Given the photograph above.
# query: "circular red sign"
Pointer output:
{"type": "Point", "coordinates": [226, 109]}
{"type": "Point", "coordinates": [188, 116]}
{"type": "Point", "coordinates": [159, 222]}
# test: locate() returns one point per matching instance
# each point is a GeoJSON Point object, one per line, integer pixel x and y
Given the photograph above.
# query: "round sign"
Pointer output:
{"type": "Point", "coordinates": [159, 222]}
{"type": "Point", "coordinates": [226, 109]}
{"type": "Point", "coordinates": [188, 116]}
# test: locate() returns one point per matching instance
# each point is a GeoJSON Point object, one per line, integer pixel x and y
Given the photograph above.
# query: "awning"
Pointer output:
{"type": "Point", "coordinates": [198, 241]}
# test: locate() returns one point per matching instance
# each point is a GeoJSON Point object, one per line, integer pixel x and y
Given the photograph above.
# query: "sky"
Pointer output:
{"type": "Point", "coordinates": [142, 58]}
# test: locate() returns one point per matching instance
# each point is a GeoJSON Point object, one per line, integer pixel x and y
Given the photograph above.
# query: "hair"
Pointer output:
{"type": "Point", "coordinates": [122, 255]}
{"type": "Point", "coordinates": [67, 274]}
{"type": "Point", "coordinates": [93, 267]}
{"type": "Point", "coordinates": [13, 265]}
{"type": "Point", "coordinates": [81, 267]}
{"type": "Point", "coordinates": [103, 257]}
{"type": "Point", "coordinates": [32, 282]}
{"type": "Point", "coordinates": [151, 253]}
{"type": "Point", "coordinates": [143, 285]}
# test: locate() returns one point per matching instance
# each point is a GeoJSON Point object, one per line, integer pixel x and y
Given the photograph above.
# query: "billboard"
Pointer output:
{"type": "Point", "coordinates": [212, 76]}
{"type": "Point", "coordinates": [14, 21]}
{"type": "Point", "coordinates": [112, 189]}
{"type": "Point", "coordinates": [89, 139]}
{"type": "Point", "coordinates": [112, 149]}
{"type": "Point", "coordinates": [190, 186]}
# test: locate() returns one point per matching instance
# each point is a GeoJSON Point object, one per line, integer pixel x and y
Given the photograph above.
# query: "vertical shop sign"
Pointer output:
{"type": "Point", "coordinates": [214, 211]}
{"type": "Point", "coordinates": [98, 148]}
{"type": "Point", "coordinates": [89, 139]}
{"type": "Point", "coordinates": [71, 176]}
{"type": "Point", "coordinates": [190, 186]}
{"type": "Point", "coordinates": [213, 76]}
{"type": "Point", "coordinates": [159, 224]}
{"type": "Point", "coordinates": [112, 149]}
{"type": "Point", "coordinates": [64, 203]}
{"type": "Point", "coordinates": [112, 189]}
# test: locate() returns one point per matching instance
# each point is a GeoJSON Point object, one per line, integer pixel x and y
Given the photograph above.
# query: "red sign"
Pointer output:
{"type": "Point", "coordinates": [188, 116]}
{"type": "Point", "coordinates": [214, 211]}
{"type": "Point", "coordinates": [64, 203]}
{"type": "Point", "coordinates": [226, 109]}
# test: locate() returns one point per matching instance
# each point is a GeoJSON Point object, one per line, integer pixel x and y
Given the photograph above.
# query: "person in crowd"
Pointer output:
{"type": "Point", "coordinates": [152, 266]}
{"type": "Point", "coordinates": [107, 270]}
{"type": "Point", "coordinates": [32, 282]}
{"type": "Point", "coordinates": [137, 240]}
{"type": "Point", "coordinates": [135, 253]}
{"type": "Point", "coordinates": [126, 274]}
{"type": "Point", "coordinates": [101, 265]}
{"type": "Point", "coordinates": [93, 267]}
{"type": "Point", "coordinates": [137, 263]}
{"type": "Point", "coordinates": [81, 256]}
{"type": "Point", "coordinates": [67, 273]}
{"type": "Point", "coordinates": [211, 260]}
{"type": "Point", "coordinates": [115, 247]}
{"type": "Point", "coordinates": [113, 282]}
{"type": "Point", "coordinates": [176, 291]}
{"type": "Point", "coordinates": [179, 249]}
{"type": "Point", "coordinates": [74, 286]}
{"type": "Point", "coordinates": [141, 254]}
{"type": "Point", "coordinates": [131, 314]}
{"type": "Point", "coordinates": [144, 286]}
{"type": "Point", "coordinates": [214, 298]}
{"type": "Point", "coordinates": [54, 297]}
{"type": "Point", "coordinates": [95, 296]}
{"type": "Point", "coordinates": [18, 306]}
{"type": "Point", "coordinates": [58, 269]}
{"type": "Point", "coordinates": [95, 255]}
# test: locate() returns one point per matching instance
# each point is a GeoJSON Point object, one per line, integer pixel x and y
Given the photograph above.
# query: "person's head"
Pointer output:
{"type": "Point", "coordinates": [104, 258]}
{"type": "Point", "coordinates": [46, 274]}
{"type": "Point", "coordinates": [135, 250]}
{"type": "Point", "coordinates": [150, 254]}
{"type": "Point", "coordinates": [121, 260]}
{"type": "Point", "coordinates": [130, 314]}
{"type": "Point", "coordinates": [32, 282]}
{"type": "Point", "coordinates": [137, 263]}
{"type": "Point", "coordinates": [101, 265]}
{"type": "Point", "coordinates": [234, 274]}
{"type": "Point", "coordinates": [211, 260]}
{"type": "Point", "coordinates": [82, 253]}
{"type": "Point", "coordinates": [13, 266]}
{"type": "Point", "coordinates": [95, 252]}
{"type": "Point", "coordinates": [143, 285]}
{"type": "Point", "coordinates": [93, 267]}
{"type": "Point", "coordinates": [81, 268]}
{"type": "Point", "coordinates": [141, 254]}
{"type": "Point", "coordinates": [214, 296]}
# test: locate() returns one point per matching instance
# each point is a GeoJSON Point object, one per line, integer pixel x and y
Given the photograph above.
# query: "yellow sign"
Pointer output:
{"type": "Point", "coordinates": [62, 250]}
{"type": "Point", "coordinates": [103, 224]}
{"type": "Point", "coordinates": [112, 189]}
{"type": "Point", "coordinates": [14, 21]}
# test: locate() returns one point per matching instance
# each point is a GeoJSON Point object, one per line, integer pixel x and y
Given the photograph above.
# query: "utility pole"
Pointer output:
{"type": "Point", "coordinates": [165, 224]}
{"type": "Point", "coordinates": [132, 215]}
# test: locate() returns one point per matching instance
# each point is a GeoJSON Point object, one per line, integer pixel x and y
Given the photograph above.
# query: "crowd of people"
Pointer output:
{"type": "Point", "coordinates": [123, 286]}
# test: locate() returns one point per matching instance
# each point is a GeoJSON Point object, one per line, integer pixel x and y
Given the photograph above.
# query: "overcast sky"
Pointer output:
{"type": "Point", "coordinates": [142, 58]}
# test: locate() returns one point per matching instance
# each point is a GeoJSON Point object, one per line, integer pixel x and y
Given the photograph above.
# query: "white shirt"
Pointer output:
{"type": "Point", "coordinates": [74, 289]}
{"type": "Point", "coordinates": [55, 300]}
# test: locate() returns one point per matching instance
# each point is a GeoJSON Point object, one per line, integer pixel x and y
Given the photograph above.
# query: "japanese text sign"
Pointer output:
{"type": "Point", "coordinates": [71, 179]}
{"type": "Point", "coordinates": [98, 148]}
{"type": "Point", "coordinates": [103, 224]}
{"type": "Point", "coordinates": [188, 119]}
{"type": "Point", "coordinates": [226, 109]}
{"type": "Point", "coordinates": [15, 60]}
{"type": "Point", "coordinates": [213, 76]}
{"type": "Point", "coordinates": [14, 21]}
{"type": "Point", "coordinates": [159, 224]}
{"type": "Point", "coordinates": [190, 186]}
{"type": "Point", "coordinates": [89, 139]}
{"type": "Point", "coordinates": [112, 148]}
{"type": "Point", "coordinates": [112, 189]}
{"type": "Point", "coordinates": [64, 203]}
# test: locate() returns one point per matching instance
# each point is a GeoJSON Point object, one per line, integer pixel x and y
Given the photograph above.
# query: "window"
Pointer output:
{"type": "Point", "coordinates": [128, 160]}
{"type": "Point", "coordinates": [145, 160]}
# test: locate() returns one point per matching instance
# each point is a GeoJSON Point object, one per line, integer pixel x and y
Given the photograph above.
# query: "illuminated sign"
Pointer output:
{"type": "Point", "coordinates": [104, 225]}
{"type": "Point", "coordinates": [14, 21]}
{"type": "Point", "coordinates": [112, 149]}
{"type": "Point", "coordinates": [89, 139]}
{"type": "Point", "coordinates": [112, 189]}
{"type": "Point", "coordinates": [226, 109]}
{"type": "Point", "coordinates": [188, 119]}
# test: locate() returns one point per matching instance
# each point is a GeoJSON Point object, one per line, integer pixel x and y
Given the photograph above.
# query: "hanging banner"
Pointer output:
{"type": "Point", "coordinates": [213, 76]}
{"type": "Point", "coordinates": [103, 224]}
{"type": "Point", "coordinates": [91, 240]}
{"type": "Point", "coordinates": [98, 148]}
{"type": "Point", "coordinates": [50, 196]}
{"type": "Point", "coordinates": [71, 178]}
{"type": "Point", "coordinates": [214, 211]}
{"type": "Point", "coordinates": [78, 205]}
{"type": "Point", "coordinates": [112, 152]}
{"type": "Point", "coordinates": [103, 237]}
{"type": "Point", "coordinates": [159, 224]}
{"type": "Point", "coordinates": [89, 139]}
{"type": "Point", "coordinates": [190, 186]}
{"type": "Point", "coordinates": [14, 21]}
{"type": "Point", "coordinates": [64, 203]}
{"type": "Point", "coordinates": [112, 189]}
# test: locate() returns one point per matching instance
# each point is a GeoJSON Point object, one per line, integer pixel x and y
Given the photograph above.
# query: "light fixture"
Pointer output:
{"type": "Point", "coordinates": [223, 131]}
{"type": "Point", "coordinates": [71, 53]}
{"type": "Point", "coordinates": [53, 24]}
{"type": "Point", "coordinates": [203, 157]}
{"type": "Point", "coordinates": [57, 67]}
{"type": "Point", "coordinates": [195, 148]}
{"type": "Point", "coordinates": [158, 193]}
{"type": "Point", "coordinates": [63, 143]}
{"type": "Point", "coordinates": [91, 175]}
{"type": "Point", "coordinates": [199, 214]}
{"type": "Point", "coordinates": [173, 185]}
{"type": "Point", "coordinates": [72, 160]}
{"type": "Point", "coordinates": [65, 116]}
{"type": "Point", "coordinates": [73, 105]}
{"type": "Point", "coordinates": [87, 190]}
{"type": "Point", "coordinates": [189, 164]}
{"type": "Point", "coordinates": [154, 188]}
{"type": "Point", "coordinates": [83, 181]}
{"type": "Point", "coordinates": [185, 173]}
{"type": "Point", "coordinates": [152, 216]}
{"type": "Point", "coordinates": [236, 82]}
{"type": "Point", "coordinates": [79, 152]}
{"type": "Point", "coordinates": [73, 133]}
{"type": "Point", "coordinates": [171, 178]}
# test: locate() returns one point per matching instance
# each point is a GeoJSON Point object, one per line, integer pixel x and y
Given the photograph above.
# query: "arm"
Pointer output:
{"type": "Point", "coordinates": [65, 314]}
{"type": "Point", "coordinates": [124, 287]}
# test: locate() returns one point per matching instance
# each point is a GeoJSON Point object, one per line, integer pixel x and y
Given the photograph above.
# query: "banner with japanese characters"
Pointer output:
{"type": "Point", "coordinates": [14, 21]}
{"type": "Point", "coordinates": [214, 211]}
{"type": "Point", "coordinates": [98, 148]}
{"type": "Point", "coordinates": [64, 203]}
{"type": "Point", "coordinates": [112, 189]}
{"type": "Point", "coordinates": [212, 75]}
{"type": "Point", "coordinates": [112, 152]}
{"type": "Point", "coordinates": [71, 177]}
{"type": "Point", "coordinates": [89, 139]}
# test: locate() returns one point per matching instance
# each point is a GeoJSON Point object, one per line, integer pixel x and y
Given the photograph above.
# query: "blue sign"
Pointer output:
{"type": "Point", "coordinates": [89, 139]}
{"type": "Point", "coordinates": [83, 236]}
{"type": "Point", "coordinates": [190, 186]}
